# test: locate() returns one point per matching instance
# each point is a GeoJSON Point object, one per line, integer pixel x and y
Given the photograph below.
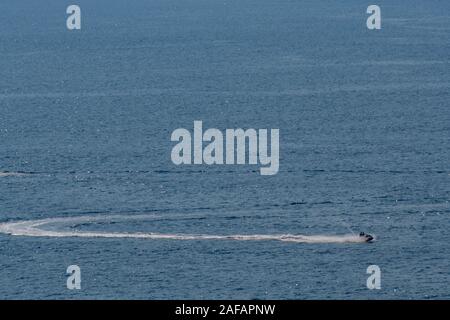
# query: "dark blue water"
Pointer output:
{"type": "Point", "coordinates": [364, 123]}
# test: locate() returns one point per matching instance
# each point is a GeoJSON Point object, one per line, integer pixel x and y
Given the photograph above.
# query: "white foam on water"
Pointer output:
{"type": "Point", "coordinates": [33, 228]}
{"type": "Point", "coordinates": [11, 174]}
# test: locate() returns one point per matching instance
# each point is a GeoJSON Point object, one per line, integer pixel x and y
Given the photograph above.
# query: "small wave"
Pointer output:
{"type": "Point", "coordinates": [12, 174]}
{"type": "Point", "coordinates": [34, 228]}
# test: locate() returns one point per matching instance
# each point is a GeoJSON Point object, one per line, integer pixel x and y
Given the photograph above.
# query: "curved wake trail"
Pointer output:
{"type": "Point", "coordinates": [33, 228]}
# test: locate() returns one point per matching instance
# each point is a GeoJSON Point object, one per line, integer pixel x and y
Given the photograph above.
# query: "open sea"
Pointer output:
{"type": "Point", "coordinates": [86, 176]}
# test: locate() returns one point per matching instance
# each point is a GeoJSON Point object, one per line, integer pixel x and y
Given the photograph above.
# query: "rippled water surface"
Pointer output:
{"type": "Point", "coordinates": [85, 124]}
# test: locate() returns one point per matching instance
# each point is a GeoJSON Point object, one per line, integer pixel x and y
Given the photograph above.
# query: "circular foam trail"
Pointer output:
{"type": "Point", "coordinates": [34, 228]}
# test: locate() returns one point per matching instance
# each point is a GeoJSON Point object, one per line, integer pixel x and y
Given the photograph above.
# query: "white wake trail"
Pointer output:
{"type": "Point", "coordinates": [33, 228]}
{"type": "Point", "coordinates": [11, 174]}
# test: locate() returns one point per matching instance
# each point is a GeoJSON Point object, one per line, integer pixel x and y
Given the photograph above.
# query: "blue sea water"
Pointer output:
{"type": "Point", "coordinates": [85, 124]}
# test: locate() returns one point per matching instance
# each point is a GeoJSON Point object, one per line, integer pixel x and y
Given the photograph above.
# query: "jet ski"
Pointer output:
{"type": "Point", "coordinates": [366, 237]}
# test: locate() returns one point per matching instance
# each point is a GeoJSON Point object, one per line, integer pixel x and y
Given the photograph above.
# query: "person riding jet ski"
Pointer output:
{"type": "Point", "coordinates": [367, 237]}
